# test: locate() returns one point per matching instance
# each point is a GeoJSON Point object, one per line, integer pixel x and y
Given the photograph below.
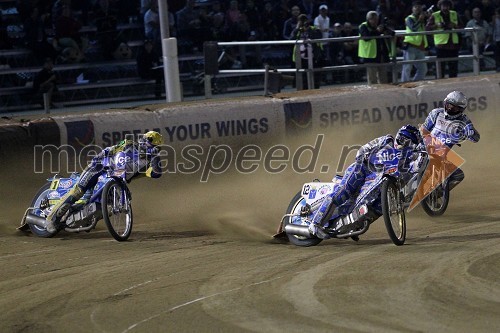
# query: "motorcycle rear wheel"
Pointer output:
{"type": "Point", "coordinates": [294, 208]}
{"type": "Point", "coordinates": [117, 210]}
{"type": "Point", "coordinates": [436, 203]}
{"type": "Point", "coordinates": [393, 212]}
{"type": "Point", "coordinates": [39, 196]}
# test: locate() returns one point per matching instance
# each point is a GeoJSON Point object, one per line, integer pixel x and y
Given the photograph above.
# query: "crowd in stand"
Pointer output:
{"type": "Point", "coordinates": [53, 28]}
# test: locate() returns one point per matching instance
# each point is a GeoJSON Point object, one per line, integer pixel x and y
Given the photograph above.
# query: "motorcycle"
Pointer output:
{"type": "Point", "coordinates": [108, 200]}
{"type": "Point", "coordinates": [436, 202]}
{"type": "Point", "coordinates": [386, 192]}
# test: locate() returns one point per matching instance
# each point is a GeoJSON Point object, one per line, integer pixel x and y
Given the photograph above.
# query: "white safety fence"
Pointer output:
{"type": "Point", "coordinates": [395, 62]}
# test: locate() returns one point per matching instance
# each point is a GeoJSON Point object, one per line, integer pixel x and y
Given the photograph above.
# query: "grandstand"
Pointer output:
{"type": "Point", "coordinates": [98, 79]}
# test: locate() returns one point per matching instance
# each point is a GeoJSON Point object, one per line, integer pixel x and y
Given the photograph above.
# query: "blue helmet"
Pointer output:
{"type": "Point", "coordinates": [407, 135]}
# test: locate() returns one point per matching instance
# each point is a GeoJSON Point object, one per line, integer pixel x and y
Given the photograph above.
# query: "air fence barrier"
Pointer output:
{"type": "Point", "coordinates": [219, 125]}
{"type": "Point", "coordinates": [395, 62]}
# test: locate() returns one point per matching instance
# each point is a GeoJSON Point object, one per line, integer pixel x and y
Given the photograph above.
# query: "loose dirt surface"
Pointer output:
{"type": "Point", "coordinates": [201, 259]}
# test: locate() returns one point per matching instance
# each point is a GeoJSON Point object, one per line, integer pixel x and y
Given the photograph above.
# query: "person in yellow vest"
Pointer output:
{"type": "Point", "coordinates": [448, 43]}
{"type": "Point", "coordinates": [374, 50]}
{"type": "Point", "coordinates": [415, 46]}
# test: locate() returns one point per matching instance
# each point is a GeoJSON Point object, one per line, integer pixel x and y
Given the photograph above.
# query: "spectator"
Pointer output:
{"type": "Point", "coordinates": [152, 23]}
{"type": "Point", "coordinates": [189, 25]}
{"type": "Point", "coordinates": [68, 35]}
{"type": "Point", "coordinates": [147, 65]}
{"type": "Point", "coordinates": [282, 11]}
{"type": "Point", "coordinates": [447, 44]}
{"type": "Point", "coordinates": [5, 41]}
{"type": "Point", "coordinates": [57, 9]}
{"type": "Point", "coordinates": [414, 46]}
{"type": "Point", "coordinates": [253, 15]}
{"type": "Point", "coordinates": [350, 47]}
{"type": "Point", "coordinates": [483, 35]}
{"type": "Point", "coordinates": [305, 31]}
{"type": "Point", "coordinates": [216, 14]}
{"type": "Point", "coordinates": [291, 24]}
{"type": "Point", "coordinates": [45, 81]}
{"type": "Point", "coordinates": [233, 16]}
{"type": "Point", "coordinates": [145, 6]}
{"type": "Point", "coordinates": [392, 12]}
{"type": "Point", "coordinates": [487, 9]}
{"type": "Point", "coordinates": [270, 24]}
{"type": "Point", "coordinates": [322, 23]}
{"type": "Point", "coordinates": [107, 32]}
{"type": "Point", "coordinates": [372, 50]}
{"type": "Point", "coordinates": [171, 25]}
{"type": "Point", "coordinates": [308, 8]}
{"type": "Point", "coordinates": [337, 48]}
{"type": "Point", "coordinates": [83, 6]}
{"type": "Point", "coordinates": [36, 38]}
{"type": "Point", "coordinates": [217, 29]}
{"type": "Point", "coordinates": [496, 37]}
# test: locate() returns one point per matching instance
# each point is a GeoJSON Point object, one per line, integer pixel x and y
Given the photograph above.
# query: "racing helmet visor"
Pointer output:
{"type": "Point", "coordinates": [454, 109]}
{"type": "Point", "coordinates": [402, 140]}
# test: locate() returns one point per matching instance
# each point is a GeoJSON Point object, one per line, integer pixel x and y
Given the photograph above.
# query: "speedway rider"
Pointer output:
{"type": "Point", "coordinates": [354, 177]}
{"type": "Point", "coordinates": [144, 161]}
{"type": "Point", "coordinates": [450, 126]}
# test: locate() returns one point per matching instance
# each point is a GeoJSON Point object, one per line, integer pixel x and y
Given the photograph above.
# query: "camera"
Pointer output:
{"type": "Point", "coordinates": [384, 28]}
{"type": "Point", "coordinates": [429, 10]}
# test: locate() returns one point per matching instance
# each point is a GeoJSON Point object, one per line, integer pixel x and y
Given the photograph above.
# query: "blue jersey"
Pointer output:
{"type": "Point", "coordinates": [138, 160]}
{"type": "Point", "coordinates": [375, 145]}
{"type": "Point", "coordinates": [450, 131]}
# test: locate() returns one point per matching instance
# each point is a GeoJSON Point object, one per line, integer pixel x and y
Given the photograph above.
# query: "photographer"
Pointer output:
{"type": "Point", "coordinates": [374, 50]}
{"type": "Point", "coordinates": [447, 44]}
{"type": "Point", "coordinates": [305, 31]}
{"type": "Point", "coordinates": [414, 46]}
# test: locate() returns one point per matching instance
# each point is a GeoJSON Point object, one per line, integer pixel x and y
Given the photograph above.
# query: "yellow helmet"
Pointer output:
{"type": "Point", "coordinates": [153, 138]}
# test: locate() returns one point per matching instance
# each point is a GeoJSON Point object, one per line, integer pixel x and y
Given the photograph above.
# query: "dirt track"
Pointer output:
{"type": "Point", "coordinates": [201, 259]}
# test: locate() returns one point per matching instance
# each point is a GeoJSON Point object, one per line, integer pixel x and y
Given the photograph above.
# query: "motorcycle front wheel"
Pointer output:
{"type": "Point", "coordinates": [393, 211]}
{"type": "Point", "coordinates": [436, 203]}
{"type": "Point", "coordinates": [294, 208]}
{"type": "Point", "coordinates": [117, 210]}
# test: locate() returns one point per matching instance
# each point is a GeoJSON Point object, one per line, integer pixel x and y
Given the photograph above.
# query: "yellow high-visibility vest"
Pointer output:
{"type": "Point", "coordinates": [441, 39]}
{"type": "Point", "coordinates": [367, 48]}
{"type": "Point", "coordinates": [415, 40]}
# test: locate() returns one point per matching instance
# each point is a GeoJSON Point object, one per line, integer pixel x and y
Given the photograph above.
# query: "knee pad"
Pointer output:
{"type": "Point", "coordinates": [76, 192]}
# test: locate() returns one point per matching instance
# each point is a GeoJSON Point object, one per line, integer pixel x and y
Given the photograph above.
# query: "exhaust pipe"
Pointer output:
{"type": "Point", "coordinates": [36, 220]}
{"type": "Point", "coordinates": [299, 230]}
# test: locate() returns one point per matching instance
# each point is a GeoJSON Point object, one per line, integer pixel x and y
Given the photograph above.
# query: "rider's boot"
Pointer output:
{"type": "Point", "coordinates": [62, 207]}
{"type": "Point", "coordinates": [455, 178]}
{"type": "Point", "coordinates": [452, 184]}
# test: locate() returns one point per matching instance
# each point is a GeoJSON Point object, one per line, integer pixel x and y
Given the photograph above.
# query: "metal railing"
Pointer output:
{"type": "Point", "coordinates": [309, 71]}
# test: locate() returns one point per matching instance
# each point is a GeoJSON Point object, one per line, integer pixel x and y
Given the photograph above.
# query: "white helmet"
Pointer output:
{"type": "Point", "coordinates": [455, 104]}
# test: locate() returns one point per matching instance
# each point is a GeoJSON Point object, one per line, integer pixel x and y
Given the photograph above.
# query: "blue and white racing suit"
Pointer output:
{"type": "Point", "coordinates": [355, 176]}
{"type": "Point", "coordinates": [142, 162]}
{"type": "Point", "coordinates": [451, 130]}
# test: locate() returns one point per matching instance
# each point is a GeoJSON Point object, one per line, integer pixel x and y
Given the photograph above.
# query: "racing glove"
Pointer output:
{"type": "Point", "coordinates": [471, 133]}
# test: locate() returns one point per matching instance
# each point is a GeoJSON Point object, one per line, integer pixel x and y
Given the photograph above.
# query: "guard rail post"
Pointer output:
{"type": "Point", "coordinates": [298, 66]}
{"type": "Point", "coordinates": [394, 60]}
{"type": "Point", "coordinates": [310, 65]}
{"type": "Point", "coordinates": [475, 52]}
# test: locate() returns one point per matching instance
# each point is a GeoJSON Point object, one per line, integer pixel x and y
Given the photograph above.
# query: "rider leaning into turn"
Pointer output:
{"type": "Point", "coordinates": [147, 163]}
{"type": "Point", "coordinates": [450, 126]}
{"type": "Point", "coordinates": [354, 177]}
